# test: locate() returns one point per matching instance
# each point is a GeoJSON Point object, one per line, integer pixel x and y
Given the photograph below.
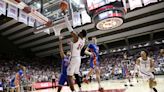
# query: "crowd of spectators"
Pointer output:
{"type": "Point", "coordinates": [42, 70]}
{"type": "Point", "coordinates": [37, 69]}
{"type": "Point", "coordinates": [111, 64]}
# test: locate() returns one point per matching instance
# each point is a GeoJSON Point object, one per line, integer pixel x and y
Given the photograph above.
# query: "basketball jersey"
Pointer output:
{"type": "Point", "coordinates": [94, 49]}
{"type": "Point", "coordinates": [12, 82]}
{"type": "Point", "coordinates": [144, 64]}
{"type": "Point", "coordinates": [65, 63]}
{"type": "Point", "coordinates": [76, 47]}
{"type": "Point", "coordinates": [124, 67]}
{"type": "Point", "coordinates": [1, 84]}
{"type": "Point", "coordinates": [20, 73]}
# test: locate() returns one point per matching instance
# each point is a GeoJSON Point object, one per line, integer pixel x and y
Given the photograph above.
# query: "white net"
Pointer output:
{"type": "Point", "coordinates": [56, 31]}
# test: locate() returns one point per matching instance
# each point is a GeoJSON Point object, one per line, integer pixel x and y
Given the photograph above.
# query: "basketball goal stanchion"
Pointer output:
{"type": "Point", "coordinates": [17, 3]}
{"type": "Point", "coordinates": [30, 11]}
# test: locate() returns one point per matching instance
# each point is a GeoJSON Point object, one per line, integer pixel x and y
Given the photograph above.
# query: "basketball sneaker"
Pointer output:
{"type": "Point", "coordinates": [101, 89]}
{"type": "Point", "coordinates": [86, 81]}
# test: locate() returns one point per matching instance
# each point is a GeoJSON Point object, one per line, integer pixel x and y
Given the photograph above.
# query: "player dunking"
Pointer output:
{"type": "Point", "coordinates": [65, 62]}
{"type": "Point", "coordinates": [15, 82]}
{"type": "Point", "coordinates": [78, 44]}
{"type": "Point", "coordinates": [93, 51]}
{"type": "Point", "coordinates": [146, 66]}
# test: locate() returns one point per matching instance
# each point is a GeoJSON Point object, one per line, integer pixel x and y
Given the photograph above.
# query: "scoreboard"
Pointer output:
{"type": "Point", "coordinates": [106, 14]}
{"type": "Point", "coordinates": [94, 5]}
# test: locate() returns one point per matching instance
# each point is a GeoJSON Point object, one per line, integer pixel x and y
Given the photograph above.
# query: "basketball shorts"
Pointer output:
{"type": "Point", "coordinates": [94, 64]}
{"type": "Point", "coordinates": [12, 85]}
{"type": "Point", "coordinates": [53, 80]}
{"type": "Point", "coordinates": [147, 75]}
{"type": "Point", "coordinates": [63, 79]}
{"type": "Point", "coordinates": [74, 66]}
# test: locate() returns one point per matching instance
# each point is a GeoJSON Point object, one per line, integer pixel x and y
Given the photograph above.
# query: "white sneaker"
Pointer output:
{"type": "Point", "coordinates": [80, 90]}
{"type": "Point", "coordinates": [151, 90]}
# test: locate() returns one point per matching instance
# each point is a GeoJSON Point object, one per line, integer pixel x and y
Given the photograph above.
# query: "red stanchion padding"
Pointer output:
{"type": "Point", "coordinates": [18, 1]}
{"type": "Point", "coordinates": [27, 10]}
{"type": "Point", "coordinates": [49, 23]}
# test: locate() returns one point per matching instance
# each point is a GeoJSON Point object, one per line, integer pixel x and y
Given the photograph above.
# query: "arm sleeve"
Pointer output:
{"type": "Point", "coordinates": [68, 23]}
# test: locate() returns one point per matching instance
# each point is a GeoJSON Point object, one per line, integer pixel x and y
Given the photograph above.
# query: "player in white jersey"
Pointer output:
{"type": "Point", "coordinates": [78, 44]}
{"type": "Point", "coordinates": [146, 67]}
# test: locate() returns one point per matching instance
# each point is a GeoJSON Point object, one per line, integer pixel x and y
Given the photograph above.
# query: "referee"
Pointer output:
{"type": "Point", "coordinates": [53, 81]}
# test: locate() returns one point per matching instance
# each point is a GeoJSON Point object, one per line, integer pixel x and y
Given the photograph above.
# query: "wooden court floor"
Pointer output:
{"type": "Point", "coordinates": [115, 86]}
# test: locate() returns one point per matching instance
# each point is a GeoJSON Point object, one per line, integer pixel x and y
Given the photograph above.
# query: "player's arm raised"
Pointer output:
{"type": "Point", "coordinates": [87, 50]}
{"type": "Point", "coordinates": [61, 48]}
{"type": "Point", "coordinates": [138, 62]}
{"type": "Point", "coordinates": [16, 82]}
{"type": "Point", "coordinates": [23, 68]}
{"type": "Point", "coordinates": [151, 65]}
{"type": "Point", "coordinates": [137, 65]}
{"type": "Point", "coordinates": [68, 24]}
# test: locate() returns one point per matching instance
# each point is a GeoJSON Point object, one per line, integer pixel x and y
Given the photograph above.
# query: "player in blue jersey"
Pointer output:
{"type": "Point", "coordinates": [12, 85]}
{"type": "Point", "coordinates": [93, 51]}
{"type": "Point", "coordinates": [65, 62]}
{"type": "Point", "coordinates": [15, 82]}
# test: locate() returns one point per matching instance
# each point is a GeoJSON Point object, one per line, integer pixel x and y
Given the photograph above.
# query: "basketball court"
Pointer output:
{"type": "Point", "coordinates": [115, 86]}
{"type": "Point", "coordinates": [34, 28]}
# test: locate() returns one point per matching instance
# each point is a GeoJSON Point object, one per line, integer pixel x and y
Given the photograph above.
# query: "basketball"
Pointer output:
{"type": "Point", "coordinates": [63, 5]}
{"type": "Point", "coordinates": [81, 45]}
